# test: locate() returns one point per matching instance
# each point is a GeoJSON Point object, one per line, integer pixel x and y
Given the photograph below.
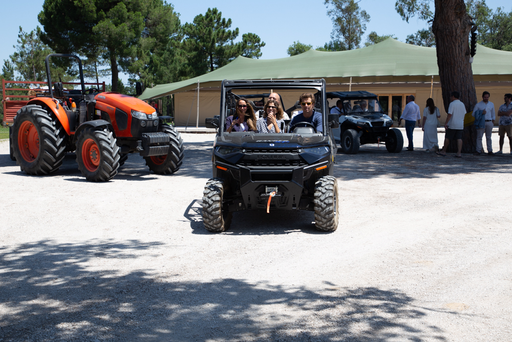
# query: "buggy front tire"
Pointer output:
{"type": "Point", "coordinates": [216, 218]}
{"type": "Point", "coordinates": [326, 204]}
{"type": "Point", "coordinates": [394, 141]}
{"type": "Point", "coordinates": [350, 141]}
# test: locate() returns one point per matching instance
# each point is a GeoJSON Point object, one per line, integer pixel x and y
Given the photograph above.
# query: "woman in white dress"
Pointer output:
{"type": "Point", "coordinates": [429, 127]}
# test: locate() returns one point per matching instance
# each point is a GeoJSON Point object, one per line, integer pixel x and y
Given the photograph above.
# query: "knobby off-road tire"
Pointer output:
{"type": "Point", "coordinates": [350, 141]}
{"type": "Point", "coordinates": [38, 141]}
{"type": "Point", "coordinates": [394, 141]}
{"type": "Point", "coordinates": [97, 154]}
{"type": "Point", "coordinates": [326, 204]}
{"type": "Point", "coordinates": [215, 217]}
{"type": "Point", "coordinates": [170, 163]}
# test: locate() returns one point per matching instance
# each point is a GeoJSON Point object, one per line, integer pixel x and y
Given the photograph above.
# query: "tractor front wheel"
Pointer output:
{"type": "Point", "coordinates": [170, 162]}
{"type": "Point", "coordinates": [38, 141]}
{"type": "Point", "coordinates": [97, 154]}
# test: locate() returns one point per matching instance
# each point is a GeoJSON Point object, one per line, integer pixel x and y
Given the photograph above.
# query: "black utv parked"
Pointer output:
{"type": "Point", "coordinates": [362, 121]}
{"type": "Point", "coordinates": [291, 170]}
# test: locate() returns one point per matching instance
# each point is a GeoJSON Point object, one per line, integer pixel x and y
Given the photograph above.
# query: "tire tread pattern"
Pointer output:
{"type": "Point", "coordinates": [52, 141]}
{"type": "Point", "coordinates": [326, 204]}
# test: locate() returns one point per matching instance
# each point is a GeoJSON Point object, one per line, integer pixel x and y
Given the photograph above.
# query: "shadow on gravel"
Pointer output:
{"type": "Point", "coordinates": [372, 161]}
{"type": "Point", "coordinates": [256, 222]}
{"type": "Point", "coordinates": [48, 294]}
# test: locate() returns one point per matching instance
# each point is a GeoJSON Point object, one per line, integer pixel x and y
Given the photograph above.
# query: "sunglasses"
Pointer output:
{"type": "Point", "coordinates": [271, 107]}
{"type": "Point", "coordinates": [306, 103]}
{"type": "Point", "coordinates": [242, 106]}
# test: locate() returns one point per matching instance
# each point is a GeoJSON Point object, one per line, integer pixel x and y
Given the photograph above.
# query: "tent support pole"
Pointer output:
{"type": "Point", "coordinates": [350, 84]}
{"type": "Point", "coordinates": [431, 85]}
{"type": "Point", "coordinates": [197, 118]}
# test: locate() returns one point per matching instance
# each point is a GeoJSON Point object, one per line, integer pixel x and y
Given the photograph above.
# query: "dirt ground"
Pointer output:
{"type": "Point", "coordinates": [423, 252]}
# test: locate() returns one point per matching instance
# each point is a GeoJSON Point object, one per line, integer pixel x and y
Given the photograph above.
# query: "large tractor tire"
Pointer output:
{"type": "Point", "coordinates": [326, 204]}
{"type": "Point", "coordinates": [350, 141]}
{"type": "Point", "coordinates": [38, 141]}
{"type": "Point", "coordinates": [394, 141]}
{"type": "Point", "coordinates": [215, 218]}
{"type": "Point", "coordinates": [97, 154]}
{"type": "Point", "coordinates": [171, 162]}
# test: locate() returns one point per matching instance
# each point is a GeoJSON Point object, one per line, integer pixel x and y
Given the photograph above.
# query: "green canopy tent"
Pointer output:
{"type": "Point", "coordinates": [389, 62]}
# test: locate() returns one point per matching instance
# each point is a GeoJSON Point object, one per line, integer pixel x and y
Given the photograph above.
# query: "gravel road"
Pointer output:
{"type": "Point", "coordinates": [423, 252]}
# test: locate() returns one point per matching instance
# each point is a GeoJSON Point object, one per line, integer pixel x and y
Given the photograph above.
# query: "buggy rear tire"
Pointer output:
{"type": "Point", "coordinates": [171, 162]}
{"type": "Point", "coordinates": [350, 141]}
{"type": "Point", "coordinates": [97, 154]}
{"type": "Point", "coordinates": [38, 141]}
{"type": "Point", "coordinates": [216, 218]}
{"type": "Point", "coordinates": [326, 204]}
{"type": "Point", "coordinates": [394, 141]}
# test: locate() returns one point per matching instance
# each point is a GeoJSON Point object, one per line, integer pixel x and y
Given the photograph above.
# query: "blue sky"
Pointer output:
{"type": "Point", "coordinates": [279, 23]}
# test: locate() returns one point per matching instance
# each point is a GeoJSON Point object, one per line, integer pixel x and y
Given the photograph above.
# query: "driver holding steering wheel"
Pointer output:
{"type": "Point", "coordinates": [308, 114]}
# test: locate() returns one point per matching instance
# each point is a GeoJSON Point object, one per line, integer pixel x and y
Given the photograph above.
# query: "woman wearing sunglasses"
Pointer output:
{"type": "Point", "coordinates": [243, 120]}
{"type": "Point", "coordinates": [272, 120]}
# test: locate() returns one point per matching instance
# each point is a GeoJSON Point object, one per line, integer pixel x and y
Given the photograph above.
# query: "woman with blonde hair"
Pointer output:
{"type": "Point", "coordinates": [272, 120]}
{"type": "Point", "coordinates": [244, 118]}
{"type": "Point", "coordinates": [429, 127]}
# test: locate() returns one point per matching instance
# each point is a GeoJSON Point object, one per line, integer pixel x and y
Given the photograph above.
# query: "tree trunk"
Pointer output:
{"type": "Point", "coordinates": [115, 72]}
{"type": "Point", "coordinates": [451, 28]}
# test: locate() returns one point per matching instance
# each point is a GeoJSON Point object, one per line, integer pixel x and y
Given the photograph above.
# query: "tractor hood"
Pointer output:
{"type": "Point", "coordinates": [124, 102]}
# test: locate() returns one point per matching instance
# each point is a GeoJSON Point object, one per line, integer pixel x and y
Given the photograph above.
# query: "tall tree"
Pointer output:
{"type": "Point", "coordinates": [423, 37]}
{"type": "Point", "coordinates": [159, 55]}
{"type": "Point", "coordinates": [451, 26]}
{"type": "Point", "coordinates": [494, 27]}
{"type": "Point", "coordinates": [111, 28]}
{"type": "Point", "coordinates": [251, 45]}
{"type": "Point", "coordinates": [298, 48]}
{"type": "Point", "coordinates": [349, 22]}
{"type": "Point", "coordinates": [28, 60]}
{"type": "Point", "coordinates": [374, 38]}
{"type": "Point", "coordinates": [209, 41]}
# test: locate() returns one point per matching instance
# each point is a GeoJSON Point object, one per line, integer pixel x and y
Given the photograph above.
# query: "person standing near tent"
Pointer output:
{"type": "Point", "coordinates": [243, 120]}
{"type": "Point", "coordinates": [431, 116]}
{"type": "Point", "coordinates": [410, 115]}
{"type": "Point", "coordinates": [454, 124]}
{"type": "Point", "coordinates": [308, 113]}
{"type": "Point", "coordinates": [505, 114]}
{"type": "Point", "coordinates": [487, 109]}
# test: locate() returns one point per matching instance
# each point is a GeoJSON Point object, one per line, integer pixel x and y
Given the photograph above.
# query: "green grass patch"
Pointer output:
{"type": "Point", "coordinates": [4, 132]}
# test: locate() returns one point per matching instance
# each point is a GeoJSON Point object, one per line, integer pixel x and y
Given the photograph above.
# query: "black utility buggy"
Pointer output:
{"type": "Point", "coordinates": [256, 171]}
{"type": "Point", "coordinates": [362, 121]}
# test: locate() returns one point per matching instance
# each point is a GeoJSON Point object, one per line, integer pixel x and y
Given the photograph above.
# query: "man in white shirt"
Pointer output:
{"type": "Point", "coordinates": [411, 114]}
{"type": "Point", "coordinates": [487, 109]}
{"type": "Point", "coordinates": [454, 124]}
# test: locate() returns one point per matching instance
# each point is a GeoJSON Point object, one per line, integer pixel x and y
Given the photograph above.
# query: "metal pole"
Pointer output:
{"type": "Point", "coordinates": [197, 119]}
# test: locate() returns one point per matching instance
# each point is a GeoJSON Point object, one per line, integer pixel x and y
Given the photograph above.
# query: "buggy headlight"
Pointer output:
{"type": "Point", "coordinates": [317, 150]}
{"type": "Point", "coordinates": [227, 150]}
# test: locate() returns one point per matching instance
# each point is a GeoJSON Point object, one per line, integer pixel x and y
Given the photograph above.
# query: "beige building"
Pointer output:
{"type": "Point", "coordinates": [390, 69]}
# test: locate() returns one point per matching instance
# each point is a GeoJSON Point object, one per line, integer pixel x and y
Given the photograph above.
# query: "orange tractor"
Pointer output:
{"type": "Point", "coordinates": [101, 127]}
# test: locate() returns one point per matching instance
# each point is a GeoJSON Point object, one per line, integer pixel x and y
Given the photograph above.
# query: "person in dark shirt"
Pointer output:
{"type": "Point", "coordinates": [308, 113]}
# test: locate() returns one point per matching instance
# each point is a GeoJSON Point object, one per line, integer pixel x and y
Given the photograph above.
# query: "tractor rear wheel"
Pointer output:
{"type": "Point", "coordinates": [326, 204]}
{"type": "Point", "coordinates": [38, 141]}
{"type": "Point", "coordinates": [170, 162]}
{"type": "Point", "coordinates": [216, 218]}
{"type": "Point", "coordinates": [97, 154]}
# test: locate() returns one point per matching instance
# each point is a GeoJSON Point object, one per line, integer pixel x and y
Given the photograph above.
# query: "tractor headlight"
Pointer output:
{"type": "Point", "coordinates": [139, 115]}
{"type": "Point", "coordinates": [152, 116]}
